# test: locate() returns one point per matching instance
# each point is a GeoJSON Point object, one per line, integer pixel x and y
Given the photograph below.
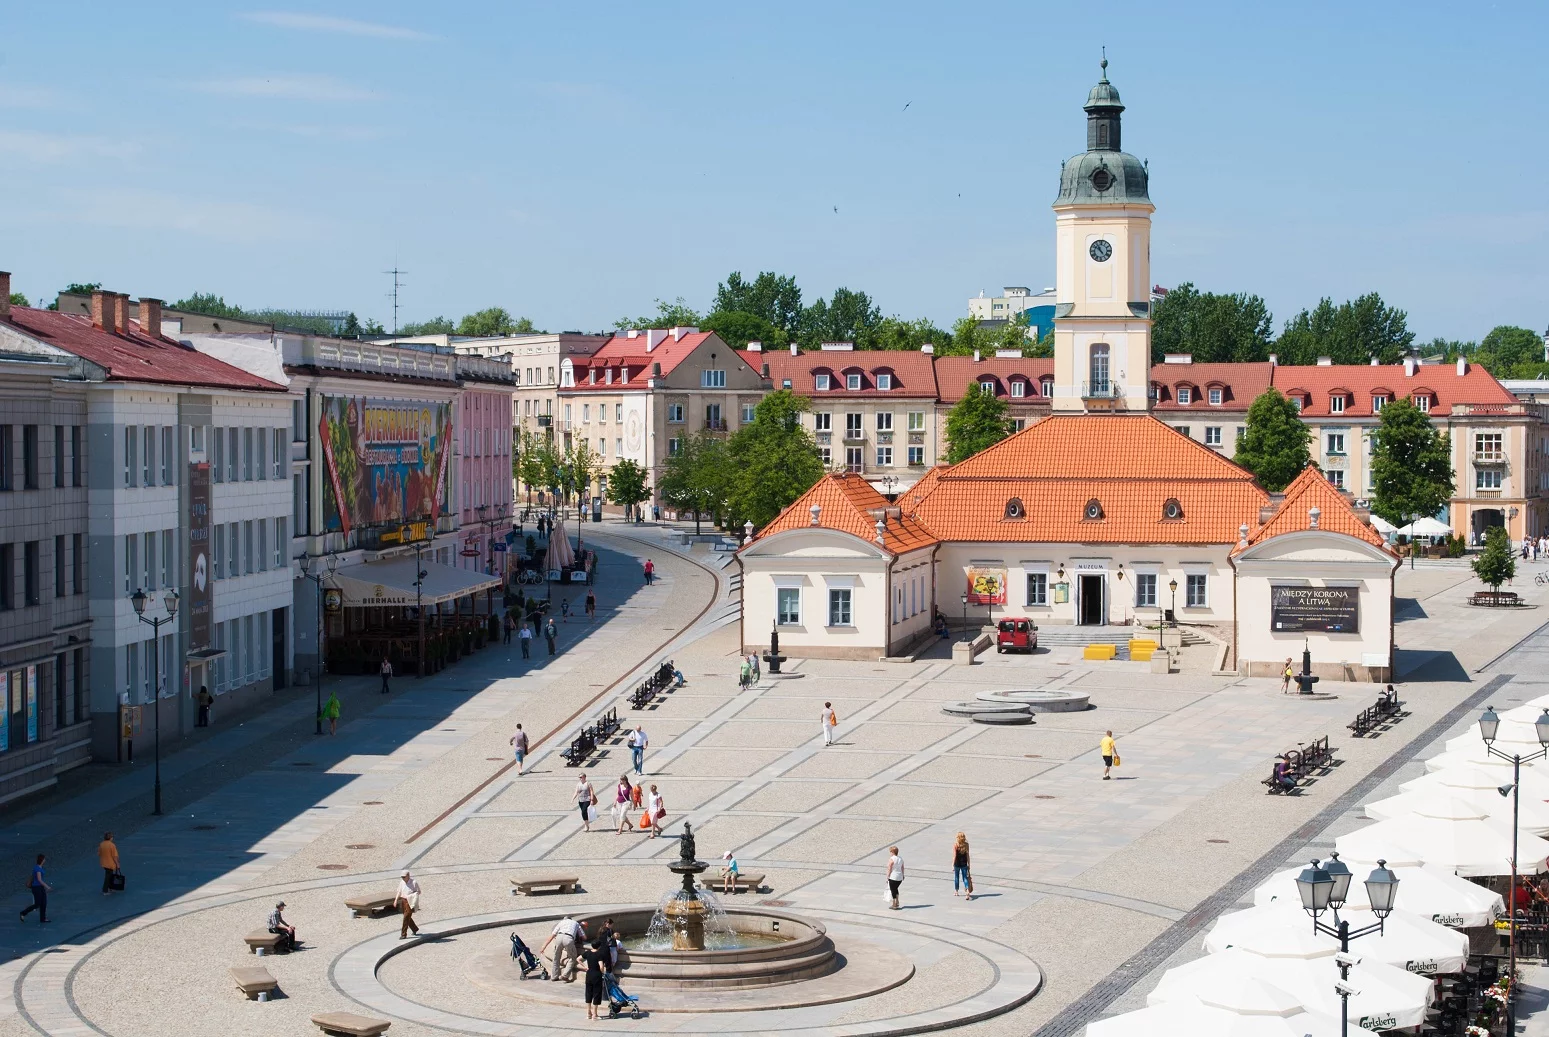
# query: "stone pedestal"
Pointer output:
{"type": "Point", "coordinates": [688, 924]}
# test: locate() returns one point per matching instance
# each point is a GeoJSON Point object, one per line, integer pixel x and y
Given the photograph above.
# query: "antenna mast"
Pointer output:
{"type": "Point", "coordinates": [397, 284]}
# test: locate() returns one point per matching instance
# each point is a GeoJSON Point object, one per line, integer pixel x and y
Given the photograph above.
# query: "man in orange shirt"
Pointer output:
{"type": "Point", "coordinates": [107, 856]}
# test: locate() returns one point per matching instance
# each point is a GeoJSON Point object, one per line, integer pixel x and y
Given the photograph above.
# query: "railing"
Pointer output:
{"type": "Point", "coordinates": [1108, 390]}
{"type": "Point", "coordinates": [1489, 457]}
{"type": "Point", "coordinates": [854, 435]}
{"type": "Point", "coordinates": [545, 420]}
{"type": "Point", "coordinates": [854, 469]}
{"type": "Point", "coordinates": [712, 425]}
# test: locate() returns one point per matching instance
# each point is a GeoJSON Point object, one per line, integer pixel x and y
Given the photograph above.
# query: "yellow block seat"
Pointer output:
{"type": "Point", "coordinates": [1100, 652]}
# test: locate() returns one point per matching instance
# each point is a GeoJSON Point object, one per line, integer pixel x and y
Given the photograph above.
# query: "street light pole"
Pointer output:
{"type": "Point", "coordinates": [1324, 888]}
{"type": "Point", "coordinates": [965, 616]}
{"type": "Point", "coordinates": [1489, 726]}
{"type": "Point", "coordinates": [1172, 585]}
{"type": "Point", "coordinates": [419, 605]}
{"type": "Point", "coordinates": [319, 578]}
{"type": "Point", "coordinates": [138, 599]}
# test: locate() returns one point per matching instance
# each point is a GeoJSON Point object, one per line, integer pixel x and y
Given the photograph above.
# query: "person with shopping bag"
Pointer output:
{"type": "Point", "coordinates": [107, 856]}
{"type": "Point", "coordinates": [586, 800]}
{"type": "Point", "coordinates": [1110, 752]}
{"type": "Point", "coordinates": [656, 808]}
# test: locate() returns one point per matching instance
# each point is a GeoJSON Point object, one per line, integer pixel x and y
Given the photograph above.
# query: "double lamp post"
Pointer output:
{"type": "Point", "coordinates": [1324, 887]}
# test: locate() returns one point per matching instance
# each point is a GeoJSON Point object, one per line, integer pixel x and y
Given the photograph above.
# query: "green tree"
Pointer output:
{"type": "Point", "coordinates": [1411, 465]}
{"type": "Point", "coordinates": [737, 328]}
{"type": "Point", "coordinates": [207, 303]}
{"type": "Point", "coordinates": [897, 333]}
{"type": "Point", "coordinates": [697, 477]}
{"type": "Point", "coordinates": [773, 460]}
{"type": "Point", "coordinates": [1350, 333]}
{"type": "Point", "coordinates": [773, 297]}
{"type": "Point", "coordinates": [1508, 350]}
{"type": "Point", "coordinates": [1495, 564]}
{"type": "Point", "coordinates": [626, 484]}
{"type": "Point", "coordinates": [580, 466]}
{"type": "Point", "coordinates": [675, 314]}
{"type": "Point", "coordinates": [1274, 444]}
{"type": "Point", "coordinates": [977, 421]}
{"type": "Point", "coordinates": [493, 321]}
{"type": "Point", "coordinates": [536, 462]}
{"type": "Point", "coordinates": [1213, 328]}
{"type": "Point", "coordinates": [848, 317]}
{"type": "Point", "coordinates": [433, 326]}
{"type": "Point", "coordinates": [18, 299]}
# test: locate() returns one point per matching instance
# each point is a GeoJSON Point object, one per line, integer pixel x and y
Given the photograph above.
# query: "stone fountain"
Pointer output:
{"type": "Point", "coordinates": [685, 911]}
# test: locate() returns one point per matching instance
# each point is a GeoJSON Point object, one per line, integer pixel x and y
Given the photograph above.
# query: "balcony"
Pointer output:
{"type": "Point", "coordinates": [884, 438]}
{"type": "Point", "coordinates": [544, 420]}
{"type": "Point", "coordinates": [854, 435]}
{"type": "Point", "coordinates": [825, 437]}
{"type": "Point", "coordinates": [1107, 390]}
{"type": "Point", "coordinates": [1490, 457]}
{"type": "Point", "coordinates": [715, 425]}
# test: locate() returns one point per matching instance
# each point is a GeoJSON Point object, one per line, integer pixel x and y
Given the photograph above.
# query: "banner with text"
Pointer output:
{"type": "Point", "coordinates": [1330, 610]}
{"type": "Point", "coordinates": [201, 587]}
{"type": "Point", "coordinates": [986, 585]}
{"type": "Point", "coordinates": [386, 461]}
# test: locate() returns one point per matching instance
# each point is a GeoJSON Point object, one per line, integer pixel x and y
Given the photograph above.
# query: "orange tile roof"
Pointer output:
{"type": "Point", "coordinates": [910, 499]}
{"type": "Point", "coordinates": [1130, 464]}
{"type": "Point", "coordinates": [1360, 382]}
{"type": "Point", "coordinates": [1311, 490]}
{"type": "Point", "coordinates": [1240, 384]}
{"type": "Point", "coordinates": [954, 374]}
{"type": "Point", "coordinates": [912, 371]}
{"type": "Point", "coordinates": [846, 503]}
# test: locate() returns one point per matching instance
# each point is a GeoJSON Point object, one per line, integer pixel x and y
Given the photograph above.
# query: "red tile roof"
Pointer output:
{"type": "Point", "coordinates": [134, 356]}
{"type": "Point", "coordinates": [621, 349]}
{"type": "Point", "coordinates": [846, 503]}
{"type": "Point", "coordinates": [1335, 512]}
{"type": "Point", "coordinates": [1240, 384]}
{"type": "Point", "coordinates": [1316, 385]}
{"type": "Point", "coordinates": [954, 374]}
{"type": "Point", "coordinates": [913, 374]}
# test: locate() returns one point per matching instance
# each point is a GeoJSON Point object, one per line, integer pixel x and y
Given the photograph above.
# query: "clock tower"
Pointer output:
{"type": "Point", "coordinates": [1102, 313]}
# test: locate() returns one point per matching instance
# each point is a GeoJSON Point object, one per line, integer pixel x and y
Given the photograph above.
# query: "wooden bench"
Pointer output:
{"type": "Point", "coordinates": [254, 981]}
{"type": "Point", "coordinates": [740, 884]}
{"type": "Point", "coordinates": [1495, 599]}
{"type": "Point", "coordinates": [262, 941]}
{"type": "Point", "coordinates": [1281, 788]}
{"type": "Point", "coordinates": [349, 1024]}
{"type": "Point", "coordinates": [552, 883]}
{"type": "Point", "coordinates": [371, 906]}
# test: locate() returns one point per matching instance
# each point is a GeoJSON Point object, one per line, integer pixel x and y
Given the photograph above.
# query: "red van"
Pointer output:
{"type": "Point", "coordinates": [1016, 635]}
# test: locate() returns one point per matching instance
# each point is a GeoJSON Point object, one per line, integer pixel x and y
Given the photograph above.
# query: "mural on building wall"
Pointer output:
{"type": "Point", "coordinates": [986, 585]}
{"type": "Point", "coordinates": [385, 461]}
{"type": "Point", "coordinates": [201, 586]}
{"type": "Point", "coordinates": [1331, 610]}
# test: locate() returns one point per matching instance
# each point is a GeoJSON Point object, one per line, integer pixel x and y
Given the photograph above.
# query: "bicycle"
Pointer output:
{"type": "Point", "coordinates": [1541, 578]}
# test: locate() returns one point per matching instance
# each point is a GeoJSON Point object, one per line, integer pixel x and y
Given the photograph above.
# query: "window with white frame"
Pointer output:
{"type": "Point", "coordinates": [1378, 402]}
{"type": "Point", "coordinates": [1046, 386]}
{"type": "Point", "coordinates": [1212, 435]}
{"type": "Point", "coordinates": [1195, 591]}
{"type": "Point", "coordinates": [1018, 388]}
{"type": "Point", "coordinates": [674, 446]}
{"type": "Point", "coordinates": [1336, 478]}
{"type": "Point", "coordinates": [884, 456]}
{"type": "Point", "coordinates": [618, 412]}
{"type": "Point", "coordinates": [987, 387]}
{"type": "Point", "coordinates": [852, 382]}
{"type": "Point", "coordinates": [839, 607]}
{"type": "Point", "coordinates": [1296, 401]}
{"type": "Point", "coordinates": [131, 452]}
{"type": "Point", "coordinates": [884, 382]}
{"type": "Point", "coordinates": [166, 455]}
{"type": "Point", "coordinates": [1037, 588]}
{"type": "Point", "coordinates": [1487, 479]}
{"type": "Point", "coordinates": [788, 606]}
{"type": "Point", "coordinates": [1423, 403]}
{"type": "Point", "coordinates": [884, 421]}
{"type": "Point", "coordinates": [747, 413]}
{"type": "Point", "coordinates": [148, 476]}
{"type": "Point", "coordinates": [1214, 396]}
{"type": "Point", "coordinates": [916, 455]}
{"type": "Point", "coordinates": [852, 426]}
{"type": "Point", "coordinates": [1185, 394]}
{"type": "Point", "coordinates": [586, 415]}
{"type": "Point", "coordinates": [1145, 590]}
{"type": "Point", "coordinates": [916, 421]}
{"type": "Point", "coordinates": [1336, 404]}
{"type": "Point", "coordinates": [823, 422]}
{"type": "Point", "coordinates": [820, 382]}
{"type": "Point", "coordinates": [675, 413]}
{"type": "Point", "coordinates": [1335, 442]}
{"type": "Point", "coordinates": [826, 454]}
{"type": "Point", "coordinates": [712, 379]}
{"type": "Point", "coordinates": [1184, 429]}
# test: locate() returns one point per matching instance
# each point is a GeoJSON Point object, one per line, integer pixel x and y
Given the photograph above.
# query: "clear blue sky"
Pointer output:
{"type": "Point", "coordinates": [574, 162]}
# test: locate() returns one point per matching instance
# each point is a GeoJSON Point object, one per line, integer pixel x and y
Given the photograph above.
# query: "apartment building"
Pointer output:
{"type": "Point", "coordinates": [1207, 402]}
{"type": "Point", "coordinates": [1024, 384]}
{"type": "Point", "coordinates": [1014, 301]}
{"type": "Point", "coordinates": [482, 484]}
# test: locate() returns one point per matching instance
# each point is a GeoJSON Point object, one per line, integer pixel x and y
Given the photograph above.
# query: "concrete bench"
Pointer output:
{"type": "Point", "coordinates": [254, 981]}
{"type": "Point", "coordinates": [349, 1024]}
{"type": "Point", "coordinates": [371, 906]}
{"type": "Point", "coordinates": [553, 883]}
{"type": "Point", "coordinates": [262, 941]}
{"type": "Point", "coordinates": [740, 884]}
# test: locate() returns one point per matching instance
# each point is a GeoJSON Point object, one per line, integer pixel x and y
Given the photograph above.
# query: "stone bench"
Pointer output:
{"type": "Point", "coordinates": [371, 906]}
{"type": "Point", "coordinates": [262, 941]}
{"type": "Point", "coordinates": [553, 883]}
{"type": "Point", "coordinates": [740, 884]}
{"type": "Point", "coordinates": [254, 981]}
{"type": "Point", "coordinates": [349, 1024]}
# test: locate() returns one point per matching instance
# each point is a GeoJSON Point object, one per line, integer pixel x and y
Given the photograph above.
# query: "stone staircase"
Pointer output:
{"type": "Point", "coordinates": [1078, 636]}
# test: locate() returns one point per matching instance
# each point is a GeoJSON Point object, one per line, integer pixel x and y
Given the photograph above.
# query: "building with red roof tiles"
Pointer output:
{"type": "Point", "coordinates": [1110, 512]}
{"type": "Point", "coordinates": [1024, 384]}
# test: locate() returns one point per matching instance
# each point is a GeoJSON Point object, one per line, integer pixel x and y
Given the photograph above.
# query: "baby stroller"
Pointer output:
{"type": "Point", "coordinates": [618, 1001]}
{"type": "Point", "coordinates": [527, 959]}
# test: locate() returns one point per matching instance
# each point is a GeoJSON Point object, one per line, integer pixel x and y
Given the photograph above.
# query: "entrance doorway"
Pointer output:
{"type": "Point", "coordinates": [278, 624]}
{"type": "Point", "coordinates": [1483, 520]}
{"type": "Point", "coordinates": [1091, 600]}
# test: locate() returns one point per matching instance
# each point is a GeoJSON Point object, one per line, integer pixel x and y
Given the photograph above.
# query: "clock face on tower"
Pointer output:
{"type": "Point", "coordinates": [1100, 250]}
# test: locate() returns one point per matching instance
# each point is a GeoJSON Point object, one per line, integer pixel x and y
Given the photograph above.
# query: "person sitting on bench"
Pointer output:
{"type": "Point", "coordinates": [282, 928]}
{"type": "Point", "coordinates": [1283, 776]}
{"type": "Point", "coordinates": [729, 872]}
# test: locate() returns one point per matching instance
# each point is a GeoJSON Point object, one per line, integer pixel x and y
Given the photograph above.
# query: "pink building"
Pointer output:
{"type": "Point", "coordinates": [482, 480]}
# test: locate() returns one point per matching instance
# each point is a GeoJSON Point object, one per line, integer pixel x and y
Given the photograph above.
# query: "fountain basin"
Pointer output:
{"type": "Point", "coordinates": [782, 948]}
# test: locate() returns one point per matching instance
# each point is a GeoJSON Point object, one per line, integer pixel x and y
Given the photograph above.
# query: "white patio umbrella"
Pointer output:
{"type": "Point", "coordinates": [1426, 527]}
{"type": "Point", "coordinates": [1382, 525]}
{"type": "Point", "coordinates": [1389, 998]}
{"type": "Point", "coordinates": [1192, 1019]}
{"type": "Point", "coordinates": [1474, 756]}
{"type": "Point", "coordinates": [1470, 848]}
{"type": "Point", "coordinates": [1533, 814]}
{"type": "Point", "coordinates": [1433, 893]}
{"type": "Point", "coordinates": [1474, 778]}
{"type": "Point", "coordinates": [1407, 941]}
{"type": "Point", "coordinates": [1514, 735]}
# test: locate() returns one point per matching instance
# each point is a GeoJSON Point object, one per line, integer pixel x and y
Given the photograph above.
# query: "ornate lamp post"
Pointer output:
{"type": "Point", "coordinates": [1489, 725]}
{"type": "Point", "coordinates": [965, 615]}
{"type": "Point", "coordinates": [1325, 888]}
{"type": "Point", "coordinates": [319, 578]}
{"type": "Point", "coordinates": [1172, 585]}
{"type": "Point", "coordinates": [138, 599]}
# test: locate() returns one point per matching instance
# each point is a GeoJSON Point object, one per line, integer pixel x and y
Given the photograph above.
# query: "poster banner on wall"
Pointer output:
{"type": "Point", "coordinates": [5, 710]}
{"type": "Point", "coordinates": [986, 585]}
{"type": "Point", "coordinates": [1330, 610]}
{"type": "Point", "coordinates": [385, 461]}
{"type": "Point", "coordinates": [201, 587]}
{"type": "Point", "coordinates": [32, 704]}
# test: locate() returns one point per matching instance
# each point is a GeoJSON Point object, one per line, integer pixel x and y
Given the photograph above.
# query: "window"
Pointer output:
{"type": "Point", "coordinates": [916, 421]}
{"type": "Point", "coordinates": [788, 606]}
{"type": "Point", "coordinates": [168, 559]}
{"type": "Point", "coordinates": [1296, 401]}
{"type": "Point", "coordinates": [1145, 590]}
{"type": "Point", "coordinates": [713, 416]}
{"type": "Point", "coordinates": [826, 454]}
{"type": "Point", "coordinates": [30, 590]}
{"type": "Point", "coordinates": [551, 375]}
{"type": "Point", "coordinates": [1335, 441]}
{"type": "Point", "coordinates": [247, 454]}
{"type": "Point", "coordinates": [262, 555]}
{"type": "Point", "coordinates": [852, 426]}
{"type": "Point", "coordinates": [1097, 368]}
{"type": "Point", "coordinates": [131, 453]}
{"type": "Point", "coordinates": [131, 562]}
{"type": "Point", "coordinates": [1488, 446]}
{"type": "Point", "coordinates": [298, 420]}
{"type": "Point", "coordinates": [1018, 388]}
{"type": "Point", "coordinates": [231, 454]}
{"type": "Point", "coordinates": [853, 459]}
{"type": "Point", "coordinates": [747, 413]}
{"type": "Point", "coordinates": [821, 383]}
{"type": "Point", "coordinates": [218, 458]}
{"type": "Point", "coordinates": [1014, 509]}
{"type": "Point", "coordinates": [1093, 510]}
{"type": "Point", "coordinates": [248, 558]}
{"type": "Point", "coordinates": [712, 379]}
{"type": "Point", "coordinates": [59, 565]}
{"type": "Point", "coordinates": [1336, 404]}
{"type": "Point", "coordinates": [1185, 394]}
{"type": "Point", "coordinates": [1172, 510]}
{"type": "Point", "coordinates": [1184, 429]}
{"type": "Point", "coordinates": [822, 422]}
{"type": "Point", "coordinates": [618, 448]}
{"type": "Point", "coordinates": [75, 455]}
{"type": "Point", "coordinates": [839, 607]}
{"type": "Point", "coordinates": [1378, 402]}
{"type": "Point", "coordinates": [218, 555]}
{"type": "Point", "coordinates": [916, 456]}
{"type": "Point", "coordinates": [987, 387]}
{"type": "Point", "coordinates": [1214, 397]}
{"type": "Point", "coordinates": [852, 382]}
{"type": "Point", "coordinates": [674, 447]}
{"type": "Point", "coordinates": [884, 382]}
{"type": "Point", "coordinates": [1212, 435]}
{"type": "Point", "coordinates": [166, 454]}
{"type": "Point", "coordinates": [586, 419]}
{"type": "Point", "coordinates": [1046, 386]}
{"type": "Point", "coordinates": [1487, 479]}
{"type": "Point", "coordinates": [1336, 478]}
{"type": "Point", "coordinates": [59, 455]}
{"type": "Point", "coordinates": [148, 469]}
{"type": "Point", "coordinates": [1037, 588]}
{"type": "Point", "coordinates": [262, 464]}
{"type": "Point", "coordinates": [279, 453]}
{"type": "Point", "coordinates": [602, 414]}
{"type": "Point", "coordinates": [77, 564]}
{"type": "Point", "coordinates": [149, 583]}
{"type": "Point", "coordinates": [1018, 424]}
{"type": "Point", "coordinates": [7, 576]}
{"type": "Point", "coordinates": [279, 542]}
{"type": "Point", "coordinates": [298, 501]}
{"type": "Point", "coordinates": [675, 413]}
{"type": "Point", "coordinates": [885, 421]}
{"type": "Point", "coordinates": [1194, 593]}
{"type": "Point", "coordinates": [1423, 403]}
{"type": "Point", "coordinates": [234, 551]}
{"type": "Point", "coordinates": [884, 457]}
{"type": "Point", "coordinates": [7, 465]}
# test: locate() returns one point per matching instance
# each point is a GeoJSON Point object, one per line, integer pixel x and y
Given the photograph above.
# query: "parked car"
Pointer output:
{"type": "Point", "coordinates": [1016, 635]}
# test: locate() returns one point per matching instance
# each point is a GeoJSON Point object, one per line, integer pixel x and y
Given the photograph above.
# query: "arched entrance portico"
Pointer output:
{"type": "Point", "coordinates": [1481, 520]}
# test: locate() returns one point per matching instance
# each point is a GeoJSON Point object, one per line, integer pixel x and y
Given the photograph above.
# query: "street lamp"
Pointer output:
{"type": "Point", "coordinates": [1172, 585]}
{"type": "Point", "coordinates": [138, 599]}
{"type": "Point", "coordinates": [1324, 888]}
{"type": "Point", "coordinates": [319, 578]}
{"type": "Point", "coordinates": [420, 573]}
{"type": "Point", "coordinates": [965, 616]}
{"type": "Point", "coordinates": [1489, 726]}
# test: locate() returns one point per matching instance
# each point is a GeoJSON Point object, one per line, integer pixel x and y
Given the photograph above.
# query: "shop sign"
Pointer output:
{"type": "Point", "coordinates": [1297, 609]}
{"type": "Point", "coordinates": [333, 599]}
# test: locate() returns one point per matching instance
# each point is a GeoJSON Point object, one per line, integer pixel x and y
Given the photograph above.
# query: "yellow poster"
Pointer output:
{"type": "Point", "coordinates": [986, 586]}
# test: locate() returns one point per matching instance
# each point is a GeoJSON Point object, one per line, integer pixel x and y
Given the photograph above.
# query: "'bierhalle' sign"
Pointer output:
{"type": "Point", "coordinates": [1332, 610]}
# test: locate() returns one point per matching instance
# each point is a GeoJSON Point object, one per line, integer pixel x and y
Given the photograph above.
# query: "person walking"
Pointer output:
{"type": "Point", "coordinates": [566, 937]}
{"type": "Point", "coordinates": [407, 900]}
{"type": "Point", "coordinates": [622, 793]}
{"type": "Point", "coordinates": [1110, 750]}
{"type": "Point", "coordinates": [386, 670]}
{"type": "Point", "coordinates": [586, 800]}
{"type": "Point", "coordinates": [829, 720]}
{"type": "Point", "coordinates": [564, 610]}
{"type": "Point", "coordinates": [650, 571]}
{"type": "Point", "coordinates": [744, 674]}
{"type": "Point", "coordinates": [960, 871]}
{"type": "Point", "coordinates": [591, 605]}
{"type": "Point", "coordinates": [895, 876]}
{"type": "Point", "coordinates": [1285, 676]}
{"type": "Point", "coordinates": [657, 806]}
{"type": "Point", "coordinates": [205, 700]}
{"type": "Point", "coordinates": [637, 743]}
{"type": "Point", "coordinates": [331, 712]}
{"type": "Point", "coordinates": [508, 624]}
{"type": "Point", "coordinates": [550, 632]}
{"type": "Point", "coordinates": [39, 888]}
{"type": "Point", "coordinates": [526, 638]}
{"type": "Point", "coordinates": [598, 960]}
{"type": "Point", "coordinates": [519, 747]}
{"type": "Point", "coordinates": [107, 856]}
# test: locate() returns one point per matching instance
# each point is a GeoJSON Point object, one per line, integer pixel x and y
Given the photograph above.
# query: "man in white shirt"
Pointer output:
{"type": "Point", "coordinates": [637, 743]}
{"type": "Point", "coordinates": [566, 938]}
{"type": "Point", "coordinates": [407, 900]}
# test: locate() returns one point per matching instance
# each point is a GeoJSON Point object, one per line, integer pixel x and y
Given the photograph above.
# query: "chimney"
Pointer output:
{"type": "Point", "coordinates": [755, 346]}
{"type": "Point", "coordinates": [795, 349]}
{"type": "Point", "coordinates": [656, 370]}
{"type": "Point", "coordinates": [1177, 358]}
{"type": "Point", "coordinates": [1274, 360]}
{"type": "Point", "coordinates": [929, 349]}
{"type": "Point", "coordinates": [1374, 362]}
{"type": "Point", "coordinates": [1325, 361]}
{"type": "Point", "coordinates": [150, 317]}
{"type": "Point", "coordinates": [678, 333]}
{"type": "Point", "coordinates": [1409, 367]}
{"type": "Point", "coordinates": [634, 332]}
{"type": "Point", "coordinates": [1008, 354]}
{"type": "Point", "coordinates": [120, 313]}
{"type": "Point", "coordinates": [817, 509]}
{"type": "Point", "coordinates": [5, 293]}
{"type": "Point", "coordinates": [101, 307]}
{"type": "Point", "coordinates": [1462, 365]}
{"type": "Point", "coordinates": [654, 337]}
{"type": "Point", "coordinates": [976, 356]}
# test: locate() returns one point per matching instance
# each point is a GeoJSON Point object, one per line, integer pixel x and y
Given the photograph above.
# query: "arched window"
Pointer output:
{"type": "Point", "coordinates": [1097, 369]}
{"type": "Point", "coordinates": [1171, 509]}
{"type": "Point", "coordinates": [1014, 509]}
{"type": "Point", "coordinates": [1094, 510]}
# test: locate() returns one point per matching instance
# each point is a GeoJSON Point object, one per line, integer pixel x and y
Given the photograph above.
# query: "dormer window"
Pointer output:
{"type": "Point", "coordinates": [884, 382]}
{"type": "Point", "coordinates": [1018, 388]}
{"type": "Point", "coordinates": [1094, 510]}
{"type": "Point", "coordinates": [1185, 394]}
{"type": "Point", "coordinates": [1378, 402]}
{"type": "Point", "coordinates": [1423, 403]}
{"type": "Point", "coordinates": [987, 387]}
{"type": "Point", "coordinates": [1171, 509]}
{"type": "Point", "coordinates": [852, 382]}
{"type": "Point", "coordinates": [822, 383]}
{"type": "Point", "coordinates": [1046, 386]}
{"type": "Point", "coordinates": [1336, 404]}
{"type": "Point", "coordinates": [1014, 509]}
{"type": "Point", "coordinates": [785, 383]}
{"type": "Point", "coordinates": [1215, 397]}
{"type": "Point", "coordinates": [1296, 401]}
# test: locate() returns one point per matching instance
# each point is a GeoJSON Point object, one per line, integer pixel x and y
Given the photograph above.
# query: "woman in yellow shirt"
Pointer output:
{"type": "Point", "coordinates": [1110, 751]}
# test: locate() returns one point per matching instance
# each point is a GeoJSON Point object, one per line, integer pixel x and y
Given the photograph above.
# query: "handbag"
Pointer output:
{"type": "Point", "coordinates": [970, 882]}
{"type": "Point", "coordinates": [1116, 760]}
{"type": "Point", "coordinates": [116, 880]}
{"type": "Point", "coordinates": [645, 821]}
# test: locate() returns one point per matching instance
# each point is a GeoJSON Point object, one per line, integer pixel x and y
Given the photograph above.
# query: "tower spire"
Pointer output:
{"type": "Point", "coordinates": [1104, 65]}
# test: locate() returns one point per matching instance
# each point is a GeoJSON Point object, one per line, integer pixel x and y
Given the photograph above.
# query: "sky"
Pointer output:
{"type": "Point", "coordinates": [573, 163]}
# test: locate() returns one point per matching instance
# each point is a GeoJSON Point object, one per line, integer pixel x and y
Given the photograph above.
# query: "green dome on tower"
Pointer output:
{"type": "Point", "coordinates": [1103, 174]}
